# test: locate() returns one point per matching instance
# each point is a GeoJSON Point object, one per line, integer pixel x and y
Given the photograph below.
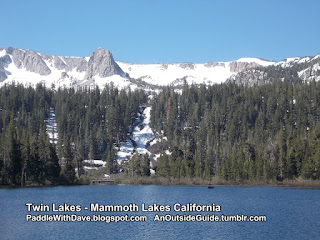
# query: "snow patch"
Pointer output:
{"type": "Point", "coordinates": [142, 133]}
{"type": "Point", "coordinates": [95, 162]}
{"type": "Point", "coordinates": [152, 172]}
{"type": "Point", "coordinates": [90, 168]}
{"type": "Point", "coordinates": [168, 152]}
{"type": "Point", "coordinates": [125, 151]}
{"type": "Point", "coordinates": [256, 60]}
{"type": "Point", "coordinates": [117, 80]}
{"type": "Point", "coordinates": [156, 156]}
{"type": "Point", "coordinates": [3, 53]}
{"type": "Point", "coordinates": [51, 127]}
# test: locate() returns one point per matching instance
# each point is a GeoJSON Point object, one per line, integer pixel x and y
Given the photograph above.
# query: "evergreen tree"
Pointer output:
{"type": "Point", "coordinates": [67, 170]}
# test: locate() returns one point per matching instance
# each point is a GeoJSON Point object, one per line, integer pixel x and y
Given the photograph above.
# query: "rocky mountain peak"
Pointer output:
{"type": "Point", "coordinates": [102, 64]}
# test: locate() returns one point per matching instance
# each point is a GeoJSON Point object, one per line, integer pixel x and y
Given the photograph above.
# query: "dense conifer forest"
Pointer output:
{"type": "Point", "coordinates": [267, 132]}
{"type": "Point", "coordinates": [263, 132]}
{"type": "Point", "coordinates": [91, 125]}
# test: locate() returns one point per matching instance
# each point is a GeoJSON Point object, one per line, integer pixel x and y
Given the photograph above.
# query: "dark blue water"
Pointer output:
{"type": "Point", "coordinates": [292, 213]}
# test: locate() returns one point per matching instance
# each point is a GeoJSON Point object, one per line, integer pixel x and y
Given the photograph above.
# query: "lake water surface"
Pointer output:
{"type": "Point", "coordinates": [291, 213]}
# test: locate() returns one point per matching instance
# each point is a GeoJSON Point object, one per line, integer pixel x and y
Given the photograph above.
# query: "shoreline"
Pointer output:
{"type": "Point", "coordinates": [218, 183]}
{"type": "Point", "coordinates": [188, 182]}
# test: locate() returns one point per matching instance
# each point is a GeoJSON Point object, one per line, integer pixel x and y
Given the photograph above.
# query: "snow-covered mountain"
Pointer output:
{"type": "Point", "coordinates": [177, 73]}
{"type": "Point", "coordinates": [29, 68]}
{"type": "Point", "coordinates": [306, 69]}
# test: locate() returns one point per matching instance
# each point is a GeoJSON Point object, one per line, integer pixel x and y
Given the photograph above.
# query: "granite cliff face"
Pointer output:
{"type": "Point", "coordinates": [29, 60]}
{"type": "Point", "coordinates": [242, 66]}
{"type": "Point", "coordinates": [4, 62]}
{"type": "Point", "coordinates": [102, 64]}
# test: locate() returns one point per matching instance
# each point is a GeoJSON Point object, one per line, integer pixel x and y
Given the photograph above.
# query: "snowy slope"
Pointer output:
{"type": "Point", "coordinates": [258, 61]}
{"type": "Point", "coordinates": [141, 135]}
{"type": "Point", "coordinates": [165, 74]}
{"type": "Point", "coordinates": [29, 68]}
{"type": "Point", "coordinates": [296, 60]}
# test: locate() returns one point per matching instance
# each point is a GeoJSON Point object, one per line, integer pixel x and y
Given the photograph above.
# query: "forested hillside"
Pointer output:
{"type": "Point", "coordinates": [90, 125]}
{"type": "Point", "coordinates": [265, 132]}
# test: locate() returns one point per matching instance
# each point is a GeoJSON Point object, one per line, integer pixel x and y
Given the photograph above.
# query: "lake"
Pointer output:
{"type": "Point", "coordinates": [291, 213]}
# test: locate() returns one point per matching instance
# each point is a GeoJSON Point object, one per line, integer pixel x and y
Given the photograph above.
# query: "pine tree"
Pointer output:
{"type": "Point", "coordinates": [163, 168]}
{"type": "Point", "coordinates": [145, 165]}
{"type": "Point", "coordinates": [67, 170]}
{"type": "Point", "coordinates": [52, 167]}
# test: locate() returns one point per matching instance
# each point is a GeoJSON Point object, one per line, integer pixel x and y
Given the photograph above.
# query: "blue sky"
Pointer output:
{"type": "Point", "coordinates": [164, 31]}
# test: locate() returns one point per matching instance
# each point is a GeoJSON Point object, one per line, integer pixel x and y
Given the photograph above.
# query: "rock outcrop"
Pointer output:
{"type": "Point", "coordinates": [28, 59]}
{"type": "Point", "coordinates": [4, 61]}
{"type": "Point", "coordinates": [102, 64]}
{"type": "Point", "coordinates": [241, 66]}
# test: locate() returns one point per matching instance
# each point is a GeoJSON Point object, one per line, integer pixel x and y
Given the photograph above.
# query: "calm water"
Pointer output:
{"type": "Point", "coordinates": [292, 213]}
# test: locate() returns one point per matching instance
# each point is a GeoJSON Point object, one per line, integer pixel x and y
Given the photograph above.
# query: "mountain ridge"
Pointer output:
{"type": "Point", "coordinates": [29, 67]}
